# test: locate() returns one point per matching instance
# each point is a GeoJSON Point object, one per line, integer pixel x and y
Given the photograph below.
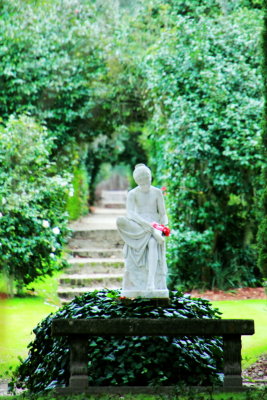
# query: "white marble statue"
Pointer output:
{"type": "Point", "coordinates": [144, 249]}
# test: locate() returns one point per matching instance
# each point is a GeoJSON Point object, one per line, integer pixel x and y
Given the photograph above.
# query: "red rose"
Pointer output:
{"type": "Point", "coordinates": [166, 231]}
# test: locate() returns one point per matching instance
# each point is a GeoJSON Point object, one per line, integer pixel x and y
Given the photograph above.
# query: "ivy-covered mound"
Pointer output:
{"type": "Point", "coordinates": [125, 361]}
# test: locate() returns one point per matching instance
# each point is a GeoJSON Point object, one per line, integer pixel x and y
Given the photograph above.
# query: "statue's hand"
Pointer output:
{"type": "Point", "coordinates": [157, 235]}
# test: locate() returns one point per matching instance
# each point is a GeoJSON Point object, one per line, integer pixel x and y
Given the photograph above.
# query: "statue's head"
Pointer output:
{"type": "Point", "coordinates": [142, 175]}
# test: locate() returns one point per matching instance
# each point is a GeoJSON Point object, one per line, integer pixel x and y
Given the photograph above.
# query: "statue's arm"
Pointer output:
{"type": "Point", "coordinates": [162, 209]}
{"type": "Point", "coordinates": [130, 203]}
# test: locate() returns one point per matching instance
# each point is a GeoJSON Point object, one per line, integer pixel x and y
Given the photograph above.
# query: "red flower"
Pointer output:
{"type": "Point", "coordinates": [164, 229]}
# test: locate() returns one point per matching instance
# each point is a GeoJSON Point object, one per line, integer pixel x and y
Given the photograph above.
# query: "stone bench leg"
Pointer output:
{"type": "Point", "coordinates": [232, 361]}
{"type": "Point", "coordinates": [78, 362]}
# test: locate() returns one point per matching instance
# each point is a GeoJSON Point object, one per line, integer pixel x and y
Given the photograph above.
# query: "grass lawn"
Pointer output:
{"type": "Point", "coordinates": [18, 317]}
{"type": "Point", "coordinates": [255, 345]}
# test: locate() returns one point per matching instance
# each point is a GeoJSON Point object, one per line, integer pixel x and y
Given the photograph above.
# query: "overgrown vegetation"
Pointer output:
{"type": "Point", "coordinates": [262, 233]}
{"type": "Point", "coordinates": [33, 223]}
{"type": "Point", "coordinates": [125, 361]}
{"type": "Point", "coordinates": [206, 129]}
{"type": "Point", "coordinates": [60, 62]}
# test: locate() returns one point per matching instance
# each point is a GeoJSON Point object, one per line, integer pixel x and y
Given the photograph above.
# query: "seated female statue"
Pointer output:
{"type": "Point", "coordinates": [144, 249]}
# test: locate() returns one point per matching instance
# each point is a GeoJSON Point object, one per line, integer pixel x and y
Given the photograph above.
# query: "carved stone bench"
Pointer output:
{"type": "Point", "coordinates": [78, 331]}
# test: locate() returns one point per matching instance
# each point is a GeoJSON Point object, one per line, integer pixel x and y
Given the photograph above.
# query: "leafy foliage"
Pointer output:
{"type": "Point", "coordinates": [124, 361]}
{"type": "Point", "coordinates": [204, 135]}
{"type": "Point", "coordinates": [262, 233]}
{"type": "Point", "coordinates": [44, 72]}
{"type": "Point", "coordinates": [60, 62]}
{"type": "Point", "coordinates": [199, 8]}
{"type": "Point", "coordinates": [77, 203]}
{"type": "Point", "coordinates": [63, 66]}
{"type": "Point", "coordinates": [33, 222]}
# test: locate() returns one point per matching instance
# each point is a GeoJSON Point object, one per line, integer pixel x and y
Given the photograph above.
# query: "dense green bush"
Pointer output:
{"type": "Point", "coordinates": [199, 8]}
{"type": "Point", "coordinates": [204, 84]}
{"type": "Point", "coordinates": [77, 203]}
{"type": "Point", "coordinates": [125, 361]}
{"type": "Point", "coordinates": [33, 221]}
{"type": "Point", "coordinates": [49, 62]}
{"type": "Point", "coordinates": [262, 233]}
{"type": "Point", "coordinates": [60, 62]}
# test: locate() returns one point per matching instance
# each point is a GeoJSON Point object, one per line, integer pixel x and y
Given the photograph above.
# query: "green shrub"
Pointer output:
{"type": "Point", "coordinates": [204, 141]}
{"type": "Point", "coordinates": [262, 234]}
{"type": "Point", "coordinates": [262, 231]}
{"type": "Point", "coordinates": [50, 59]}
{"type": "Point", "coordinates": [60, 62]}
{"type": "Point", "coordinates": [192, 265]}
{"type": "Point", "coordinates": [33, 221]}
{"type": "Point", "coordinates": [124, 361]}
{"type": "Point", "coordinates": [77, 203]}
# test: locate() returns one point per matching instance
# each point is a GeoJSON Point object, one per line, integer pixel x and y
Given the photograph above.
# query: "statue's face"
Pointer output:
{"type": "Point", "coordinates": [143, 178]}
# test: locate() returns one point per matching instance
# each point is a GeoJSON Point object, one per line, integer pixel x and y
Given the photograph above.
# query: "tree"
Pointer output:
{"type": "Point", "coordinates": [67, 64]}
{"type": "Point", "coordinates": [33, 221]}
{"type": "Point", "coordinates": [203, 77]}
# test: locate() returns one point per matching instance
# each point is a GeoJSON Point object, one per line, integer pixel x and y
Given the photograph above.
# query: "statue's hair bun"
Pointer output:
{"type": "Point", "coordinates": [140, 169]}
{"type": "Point", "coordinates": [140, 165]}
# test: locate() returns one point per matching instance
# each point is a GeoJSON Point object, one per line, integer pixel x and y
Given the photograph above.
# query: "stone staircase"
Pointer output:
{"type": "Point", "coordinates": [95, 255]}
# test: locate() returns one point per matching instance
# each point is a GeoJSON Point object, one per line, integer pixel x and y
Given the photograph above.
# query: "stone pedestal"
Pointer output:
{"type": "Point", "coordinates": [145, 294]}
{"type": "Point", "coordinates": [155, 302]}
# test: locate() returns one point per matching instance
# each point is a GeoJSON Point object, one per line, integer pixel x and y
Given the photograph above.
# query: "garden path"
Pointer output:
{"type": "Point", "coordinates": [95, 254]}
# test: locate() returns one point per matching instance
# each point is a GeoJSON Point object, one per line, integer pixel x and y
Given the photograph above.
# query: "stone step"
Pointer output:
{"type": "Point", "coordinates": [96, 253]}
{"type": "Point", "coordinates": [113, 198]}
{"type": "Point", "coordinates": [88, 280]}
{"type": "Point", "coordinates": [99, 234]}
{"type": "Point", "coordinates": [67, 294]}
{"type": "Point", "coordinates": [94, 265]}
{"type": "Point", "coordinates": [100, 219]}
{"type": "Point", "coordinates": [104, 241]}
